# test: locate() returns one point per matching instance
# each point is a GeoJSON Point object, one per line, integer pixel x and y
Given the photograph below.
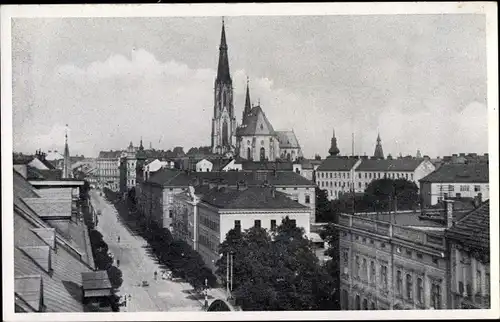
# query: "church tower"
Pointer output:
{"type": "Point", "coordinates": [248, 104]}
{"type": "Point", "coordinates": [379, 152]}
{"type": "Point", "coordinates": [334, 150]}
{"type": "Point", "coordinates": [223, 121]}
{"type": "Point", "coordinates": [67, 161]}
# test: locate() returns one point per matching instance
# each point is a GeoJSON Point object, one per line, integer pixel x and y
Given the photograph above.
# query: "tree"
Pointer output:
{"type": "Point", "coordinates": [277, 271]}
{"type": "Point", "coordinates": [323, 206]}
{"type": "Point", "coordinates": [115, 277]}
{"type": "Point", "coordinates": [386, 194]}
{"type": "Point", "coordinates": [330, 234]}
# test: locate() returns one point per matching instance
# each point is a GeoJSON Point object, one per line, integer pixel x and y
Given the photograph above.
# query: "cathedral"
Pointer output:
{"type": "Point", "coordinates": [255, 139]}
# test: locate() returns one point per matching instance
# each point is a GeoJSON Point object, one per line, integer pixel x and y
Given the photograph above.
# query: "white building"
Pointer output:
{"type": "Point", "coordinates": [204, 166]}
{"type": "Point", "coordinates": [336, 175]}
{"type": "Point", "coordinates": [411, 169]}
{"type": "Point", "coordinates": [455, 181]}
{"type": "Point", "coordinates": [205, 217]}
{"type": "Point", "coordinates": [108, 169]}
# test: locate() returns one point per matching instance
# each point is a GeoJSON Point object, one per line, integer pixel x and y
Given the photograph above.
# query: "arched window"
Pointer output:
{"type": "Point", "coordinates": [249, 154]}
{"type": "Point", "coordinates": [288, 157]}
{"type": "Point", "coordinates": [358, 302]}
{"type": "Point", "coordinates": [293, 155]}
{"type": "Point", "coordinates": [224, 133]}
{"type": "Point", "coordinates": [409, 287]}
{"type": "Point", "coordinates": [262, 154]}
{"type": "Point", "coordinates": [420, 290]}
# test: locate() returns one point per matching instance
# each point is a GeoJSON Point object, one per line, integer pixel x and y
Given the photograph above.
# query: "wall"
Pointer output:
{"type": "Point", "coordinates": [299, 194]}
{"type": "Point", "coordinates": [204, 166]}
{"type": "Point", "coordinates": [260, 141]}
{"type": "Point", "coordinates": [433, 192]}
{"type": "Point", "coordinates": [425, 168]}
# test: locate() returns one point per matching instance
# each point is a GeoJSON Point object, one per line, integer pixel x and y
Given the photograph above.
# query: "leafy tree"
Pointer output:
{"type": "Point", "coordinates": [386, 194]}
{"type": "Point", "coordinates": [115, 277]}
{"type": "Point", "coordinates": [323, 206]}
{"type": "Point", "coordinates": [277, 271]}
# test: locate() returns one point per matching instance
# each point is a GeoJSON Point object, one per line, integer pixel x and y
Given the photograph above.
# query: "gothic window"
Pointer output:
{"type": "Point", "coordinates": [420, 290]}
{"type": "Point", "coordinates": [399, 282]}
{"type": "Point", "coordinates": [358, 302]}
{"type": "Point", "coordinates": [224, 133]}
{"type": "Point", "coordinates": [249, 154]}
{"type": "Point", "coordinates": [288, 157]}
{"type": "Point", "coordinates": [262, 154]}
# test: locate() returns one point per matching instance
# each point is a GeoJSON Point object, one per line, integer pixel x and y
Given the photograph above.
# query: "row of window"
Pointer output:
{"type": "Point", "coordinates": [340, 175]}
{"type": "Point", "coordinates": [258, 223]}
{"type": "Point", "coordinates": [367, 175]}
{"type": "Point", "coordinates": [207, 222]}
{"type": "Point", "coordinates": [207, 242]}
{"type": "Point", "coordinates": [342, 184]}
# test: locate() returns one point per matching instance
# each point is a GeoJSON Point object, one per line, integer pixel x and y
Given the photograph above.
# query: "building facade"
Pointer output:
{"type": "Point", "coordinates": [204, 217]}
{"type": "Point", "coordinates": [455, 181]}
{"type": "Point", "coordinates": [128, 168]}
{"type": "Point", "coordinates": [386, 266]}
{"type": "Point", "coordinates": [108, 169]}
{"type": "Point", "coordinates": [336, 175]}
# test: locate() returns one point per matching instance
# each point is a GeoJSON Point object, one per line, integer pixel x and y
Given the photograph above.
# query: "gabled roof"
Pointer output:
{"type": "Point", "coordinates": [334, 163]}
{"type": "Point", "coordinates": [250, 198]}
{"type": "Point", "coordinates": [110, 154]}
{"type": "Point", "coordinates": [22, 158]}
{"type": "Point", "coordinates": [95, 280]}
{"type": "Point", "coordinates": [40, 255]}
{"type": "Point", "coordinates": [267, 165]}
{"type": "Point", "coordinates": [256, 123]}
{"type": "Point", "coordinates": [309, 163]}
{"type": "Point", "coordinates": [287, 139]}
{"type": "Point", "coordinates": [389, 164]}
{"type": "Point", "coordinates": [178, 178]}
{"type": "Point", "coordinates": [50, 208]}
{"type": "Point", "coordinates": [473, 231]}
{"type": "Point", "coordinates": [48, 235]}
{"type": "Point", "coordinates": [459, 173]}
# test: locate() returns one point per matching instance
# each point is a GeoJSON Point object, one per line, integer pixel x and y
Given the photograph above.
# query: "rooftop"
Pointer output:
{"type": "Point", "coordinates": [178, 178]}
{"type": "Point", "coordinates": [389, 164]}
{"type": "Point", "coordinates": [334, 163]}
{"type": "Point", "coordinates": [473, 230]}
{"type": "Point", "coordinates": [250, 198]}
{"type": "Point", "coordinates": [287, 139]}
{"type": "Point", "coordinates": [256, 123]}
{"type": "Point", "coordinates": [459, 173]}
{"type": "Point", "coordinates": [110, 154]}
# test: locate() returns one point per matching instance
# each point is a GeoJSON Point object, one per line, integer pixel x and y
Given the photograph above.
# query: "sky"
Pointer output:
{"type": "Point", "coordinates": [418, 80]}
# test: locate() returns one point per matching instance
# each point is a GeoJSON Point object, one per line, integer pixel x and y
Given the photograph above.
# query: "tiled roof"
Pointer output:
{"type": "Point", "coordinates": [22, 159]}
{"type": "Point", "coordinates": [22, 188]}
{"type": "Point", "coordinates": [250, 198]}
{"type": "Point", "coordinates": [460, 173]}
{"type": "Point", "coordinates": [309, 163]}
{"type": "Point", "coordinates": [473, 230]}
{"type": "Point", "coordinates": [337, 164]}
{"type": "Point", "coordinates": [266, 165]}
{"type": "Point", "coordinates": [109, 154]}
{"type": "Point", "coordinates": [40, 255]}
{"type": "Point", "coordinates": [95, 280]}
{"type": "Point", "coordinates": [48, 235]}
{"type": "Point", "coordinates": [253, 122]}
{"type": "Point", "coordinates": [55, 193]}
{"type": "Point", "coordinates": [50, 208]}
{"type": "Point", "coordinates": [29, 288]}
{"type": "Point", "coordinates": [177, 178]}
{"type": "Point", "coordinates": [287, 139]}
{"type": "Point", "coordinates": [389, 165]}
{"type": "Point", "coordinates": [61, 289]}
{"type": "Point", "coordinates": [50, 174]}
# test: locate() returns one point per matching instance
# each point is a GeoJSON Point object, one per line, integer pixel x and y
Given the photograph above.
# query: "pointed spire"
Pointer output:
{"type": "Point", "coordinates": [67, 161]}
{"type": "Point", "coordinates": [379, 152]}
{"type": "Point", "coordinates": [334, 150]}
{"type": "Point", "coordinates": [223, 74]}
{"type": "Point", "coordinates": [248, 106]}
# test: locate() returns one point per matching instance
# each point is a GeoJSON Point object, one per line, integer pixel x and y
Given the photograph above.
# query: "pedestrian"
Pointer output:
{"type": "Point", "coordinates": [118, 239]}
{"type": "Point", "coordinates": [118, 262]}
{"type": "Point", "coordinates": [156, 273]}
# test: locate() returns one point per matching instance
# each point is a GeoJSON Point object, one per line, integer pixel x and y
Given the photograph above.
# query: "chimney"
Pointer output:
{"type": "Point", "coordinates": [449, 213]}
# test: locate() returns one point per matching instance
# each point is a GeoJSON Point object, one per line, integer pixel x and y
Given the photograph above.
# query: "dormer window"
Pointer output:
{"type": "Point", "coordinates": [261, 127]}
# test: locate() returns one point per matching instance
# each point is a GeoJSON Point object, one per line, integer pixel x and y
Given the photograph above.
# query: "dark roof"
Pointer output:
{"type": "Point", "coordinates": [223, 74]}
{"type": "Point", "coordinates": [22, 158]}
{"type": "Point", "coordinates": [333, 163]}
{"type": "Point", "coordinates": [110, 154]}
{"type": "Point", "coordinates": [309, 163]}
{"type": "Point", "coordinates": [50, 174]}
{"type": "Point", "coordinates": [473, 230]}
{"type": "Point", "coordinates": [252, 124]}
{"type": "Point", "coordinates": [267, 165]}
{"type": "Point", "coordinates": [95, 280]}
{"type": "Point", "coordinates": [249, 198]}
{"type": "Point", "coordinates": [460, 173]}
{"type": "Point", "coordinates": [179, 178]}
{"type": "Point", "coordinates": [287, 139]}
{"type": "Point", "coordinates": [389, 165]}
{"type": "Point", "coordinates": [29, 288]}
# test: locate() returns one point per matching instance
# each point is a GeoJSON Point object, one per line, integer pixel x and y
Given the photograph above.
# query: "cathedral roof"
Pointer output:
{"type": "Point", "coordinates": [256, 123]}
{"type": "Point", "coordinates": [287, 139]}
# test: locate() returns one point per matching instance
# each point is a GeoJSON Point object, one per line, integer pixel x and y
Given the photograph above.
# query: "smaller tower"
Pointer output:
{"type": "Point", "coordinates": [379, 152]}
{"type": "Point", "coordinates": [334, 150]}
{"type": "Point", "coordinates": [419, 155]}
{"type": "Point", "coordinates": [67, 161]}
{"type": "Point", "coordinates": [248, 105]}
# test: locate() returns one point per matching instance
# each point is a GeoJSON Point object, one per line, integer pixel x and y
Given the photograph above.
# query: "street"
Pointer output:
{"type": "Point", "coordinates": [138, 265]}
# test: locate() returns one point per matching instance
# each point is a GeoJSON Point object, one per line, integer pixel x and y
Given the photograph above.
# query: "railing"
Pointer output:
{"type": "Point", "coordinates": [390, 230]}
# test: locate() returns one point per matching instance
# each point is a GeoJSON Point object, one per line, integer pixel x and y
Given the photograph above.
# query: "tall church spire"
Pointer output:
{"type": "Point", "coordinates": [67, 161]}
{"type": "Point", "coordinates": [248, 105]}
{"type": "Point", "coordinates": [223, 74]}
{"type": "Point", "coordinates": [379, 152]}
{"type": "Point", "coordinates": [334, 150]}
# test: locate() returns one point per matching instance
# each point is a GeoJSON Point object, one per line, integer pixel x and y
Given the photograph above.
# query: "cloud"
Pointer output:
{"type": "Point", "coordinates": [110, 102]}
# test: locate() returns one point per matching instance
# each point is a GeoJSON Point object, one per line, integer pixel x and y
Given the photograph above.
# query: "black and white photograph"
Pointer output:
{"type": "Point", "coordinates": [325, 159]}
